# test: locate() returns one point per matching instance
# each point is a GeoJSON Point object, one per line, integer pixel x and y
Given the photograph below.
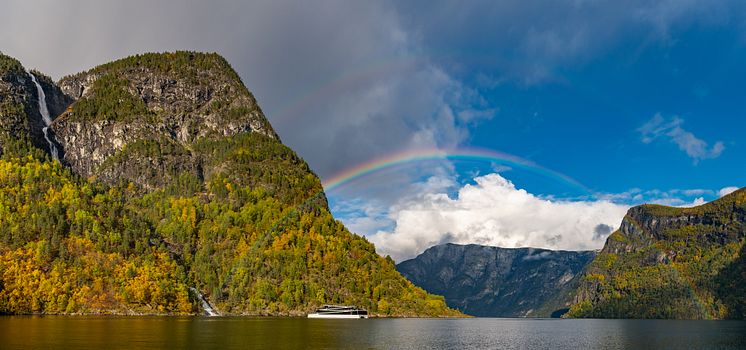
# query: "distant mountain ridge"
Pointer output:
{"type": "Point", "coordinates": [499, 282]}
{"type": "Point", "coordinates": [665, 262]}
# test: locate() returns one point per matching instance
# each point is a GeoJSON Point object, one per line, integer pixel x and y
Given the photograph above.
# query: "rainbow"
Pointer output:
{"type": "Point", "coordinates": [473, 154]}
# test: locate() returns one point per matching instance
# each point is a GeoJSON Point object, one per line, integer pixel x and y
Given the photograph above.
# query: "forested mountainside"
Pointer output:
{"type": "Point", "coordinates": [170, 183]}
{"type": "Point", "coordinates": [664, 262]}
{"type": "Point", "coordinates": [499, 282]}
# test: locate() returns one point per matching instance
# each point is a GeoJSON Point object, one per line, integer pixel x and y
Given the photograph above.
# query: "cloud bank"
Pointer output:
{"type": "Point", "coordinates": [492, 211]}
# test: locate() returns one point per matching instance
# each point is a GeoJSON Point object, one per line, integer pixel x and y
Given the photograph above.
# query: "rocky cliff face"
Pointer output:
{"type": "Point", "coordinates": [20, 120]}
{"type": "Point", "coordinates": [668, 262]}
{"type": "Point", "coordinates": [498, 282]}
{"type": "Point", "coordinates": [168, 101]}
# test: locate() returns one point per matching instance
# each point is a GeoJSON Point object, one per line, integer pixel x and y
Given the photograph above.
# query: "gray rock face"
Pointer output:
{"type": "Point", "coordinates": [181, 98]}
{"type": "Point", "coordinates": [499, 282]}
{"type": "Point", "coordinates": [88, 145]}
{"type": "Point", "coordinates": [19, 107]}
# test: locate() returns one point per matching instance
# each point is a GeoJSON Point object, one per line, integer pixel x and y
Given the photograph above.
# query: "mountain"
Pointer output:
{"type": "Point", "coordinates": [148, 118]}
{"type": "Point", "coordinates": [172, 195]}
{"type": "Point", "coordinates": [663, 262]}
{"type": "Point", "coordinates": [21, 125]}
{"type": "Point", "coordinates": [499, 282]}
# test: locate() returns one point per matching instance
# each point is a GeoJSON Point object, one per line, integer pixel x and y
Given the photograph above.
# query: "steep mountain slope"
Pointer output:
{"type": "Point", "coordinates": [138, 119]}
{"type": "Point", "coordinates": [20, 120]}
{"type": "Point", "coordinates": [499, 282]}
{"type": "Point", "coordinates": [668, 262]}
{"type": "Point", "coordinates": [173, 184]}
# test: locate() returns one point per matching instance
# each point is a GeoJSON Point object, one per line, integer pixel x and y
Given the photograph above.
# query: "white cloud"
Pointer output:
{"type": "Point", "coordinates": [696, 192]}
{"type": "Point", "coordinates": [500, 168]}
{"type": "Point", "coordinates": [365, 205]}
{"type": "Point", "coordinates": [727, 190]}
{"type": "Point", "coordinates": [670, 128]}
{"type": "Point", "coordinates": [695, 203]}
{"type": "Point", "coordinates": [494, 212]}
{"type": "Point", "coordinates": [540, 256]}
{"type": "Point", "coordinates": [675, 197]}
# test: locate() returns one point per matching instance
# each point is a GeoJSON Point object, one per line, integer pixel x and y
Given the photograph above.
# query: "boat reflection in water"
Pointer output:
{"type": "Point", "coordinates": [339, 311]}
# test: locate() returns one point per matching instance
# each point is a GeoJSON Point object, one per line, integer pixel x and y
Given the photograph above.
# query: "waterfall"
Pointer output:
{"type": "Point", "coordinates": [205, 304]}
{"type": "Point", "coordinates": [44, 111]}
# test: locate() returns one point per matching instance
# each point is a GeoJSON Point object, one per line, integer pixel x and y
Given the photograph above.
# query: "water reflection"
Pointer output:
{"type": "Point", "coordinates": [51, 332]}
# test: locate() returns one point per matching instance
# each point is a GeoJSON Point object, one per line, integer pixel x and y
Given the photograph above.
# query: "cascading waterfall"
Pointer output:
{"type": "Point", "coordinates": [44, 111]}
{"type": "Point", "coordinates": [205, 305]}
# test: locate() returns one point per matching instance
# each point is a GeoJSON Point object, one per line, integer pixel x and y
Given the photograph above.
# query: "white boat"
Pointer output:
{"type": "Point", "coordinates": [339, 311]}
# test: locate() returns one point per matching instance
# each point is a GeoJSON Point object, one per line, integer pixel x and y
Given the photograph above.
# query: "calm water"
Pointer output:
{"type": "Point", "coordinates": [247, 333]}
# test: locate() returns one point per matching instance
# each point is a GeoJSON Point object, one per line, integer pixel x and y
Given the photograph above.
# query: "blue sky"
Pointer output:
{"type": "Point", "coordinates": [640, 105]}
{"type": "Point", "coordinates": [639, 101]}
{"type": "Point", "coordinates": [585, 123]}
{"type": "Point", "coordinates": [575, 104]}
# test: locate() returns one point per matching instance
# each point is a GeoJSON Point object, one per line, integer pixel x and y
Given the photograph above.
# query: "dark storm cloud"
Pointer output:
{"type": "Point", "coordinates": [352, 79]}
{"type": "Point", "coordinates": [333, 77]}
{"type": "Point", "coordinates": [601, 231]}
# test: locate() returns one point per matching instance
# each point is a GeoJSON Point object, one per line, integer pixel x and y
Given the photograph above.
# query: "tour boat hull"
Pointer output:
{"type": "Point", "coordinates": [315, 315]}
{"type": "Point", "coordinates": [339, 312]}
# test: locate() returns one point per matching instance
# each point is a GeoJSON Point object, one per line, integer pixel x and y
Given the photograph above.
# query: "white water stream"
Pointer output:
{"type": "Point", "coordinates": [205, 304]}
{"type": "Point", "coordinates": [44, 111]}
